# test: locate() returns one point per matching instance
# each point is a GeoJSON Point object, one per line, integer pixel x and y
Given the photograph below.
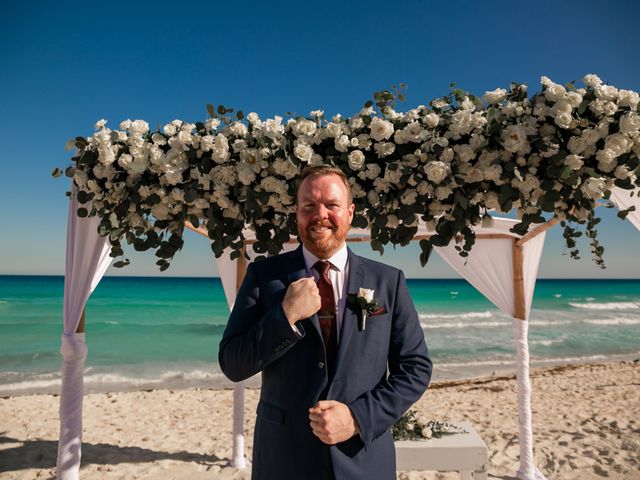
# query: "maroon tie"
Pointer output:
{"type": "Point", "coordinates": [327, 312]}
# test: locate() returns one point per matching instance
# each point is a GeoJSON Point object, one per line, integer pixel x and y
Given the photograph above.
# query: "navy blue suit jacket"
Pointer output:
{"type": "Point", "coordinates": [379, 372]}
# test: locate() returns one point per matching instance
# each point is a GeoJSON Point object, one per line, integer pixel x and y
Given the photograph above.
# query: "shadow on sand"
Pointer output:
{"type": "Point", "coordinates": [43, 454]}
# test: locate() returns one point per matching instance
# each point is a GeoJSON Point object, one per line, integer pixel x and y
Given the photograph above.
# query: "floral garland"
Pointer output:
{"type": "Point", "coordinates": [448, 164]}
{"type": "Point", "coordinates": [411, 426]}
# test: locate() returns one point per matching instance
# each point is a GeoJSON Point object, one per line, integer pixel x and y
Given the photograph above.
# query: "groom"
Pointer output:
{"type": "Point", "coordinates": [331, 386]}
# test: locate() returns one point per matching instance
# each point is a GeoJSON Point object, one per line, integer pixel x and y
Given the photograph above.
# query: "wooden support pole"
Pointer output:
{"type": "Point", "coordinates": [538, 230]}
{"type": "Point", "coordinates": [80, 328]}
{"type": "Point", "coordinates": [518, 281]}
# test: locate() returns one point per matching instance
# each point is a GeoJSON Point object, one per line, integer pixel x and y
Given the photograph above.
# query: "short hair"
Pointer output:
{"type": "Point", "coordinates": [321, 170]}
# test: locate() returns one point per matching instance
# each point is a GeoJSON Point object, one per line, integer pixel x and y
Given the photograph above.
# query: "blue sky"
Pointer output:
{"type": "Point", "coordinates": [64, 65]}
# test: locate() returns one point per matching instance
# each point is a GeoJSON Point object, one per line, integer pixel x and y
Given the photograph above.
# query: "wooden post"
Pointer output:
{"type": "Point", "coordinates": [80, 328]}
{"type": "Point", "coordinates": [518, 281]}
{"type": "Point", "coordinates": [239, 459]}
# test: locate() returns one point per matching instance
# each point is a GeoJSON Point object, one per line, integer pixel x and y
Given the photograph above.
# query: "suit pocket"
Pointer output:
{"type": "Point", "coordinates": [270, 413]}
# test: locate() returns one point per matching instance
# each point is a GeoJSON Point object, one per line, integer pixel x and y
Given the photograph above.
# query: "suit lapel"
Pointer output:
{"type": "Point", "coordinates": [298, 271]}
{"type": "Point", "coordinates": [350, 315]}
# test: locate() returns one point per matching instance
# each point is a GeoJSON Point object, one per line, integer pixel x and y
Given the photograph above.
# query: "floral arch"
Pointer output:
{"type": "Point", "coordinates": [435, 173]}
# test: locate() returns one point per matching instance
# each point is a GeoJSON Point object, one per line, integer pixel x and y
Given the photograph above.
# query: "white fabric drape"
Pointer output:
{"type": "Point", "coordinates": [490, 270]}
{"type": "Point", "coordinates": [625, 199]}
{"type": "Point", "coordinates": [527, 470]}
{"type": "Point", "coordinates": [86, 262]}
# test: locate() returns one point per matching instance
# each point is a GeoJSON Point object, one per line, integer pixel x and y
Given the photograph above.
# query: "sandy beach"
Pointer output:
{"type": "Point", "coordinates": [584, 416]}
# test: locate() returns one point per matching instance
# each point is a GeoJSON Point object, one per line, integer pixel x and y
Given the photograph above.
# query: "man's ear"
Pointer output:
{"type": "Point", "coordinates": [352, 209]}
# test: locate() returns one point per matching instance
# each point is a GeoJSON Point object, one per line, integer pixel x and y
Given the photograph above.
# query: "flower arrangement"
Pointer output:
{"type": "Point", "coordinates": [414, 427]}
{"type": "Point", "coordinates": [450, 164]}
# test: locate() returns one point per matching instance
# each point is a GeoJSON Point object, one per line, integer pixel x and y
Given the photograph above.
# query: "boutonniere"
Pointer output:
{"type": "Point", "coordinates": [367, 304]}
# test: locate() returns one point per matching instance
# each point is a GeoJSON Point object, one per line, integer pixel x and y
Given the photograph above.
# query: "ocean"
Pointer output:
{"type": "Point", "coordinates": [162, 332]}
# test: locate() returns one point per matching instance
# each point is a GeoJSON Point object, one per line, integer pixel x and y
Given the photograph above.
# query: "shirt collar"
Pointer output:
{"type": "Point", "coordinates": [338, 259]}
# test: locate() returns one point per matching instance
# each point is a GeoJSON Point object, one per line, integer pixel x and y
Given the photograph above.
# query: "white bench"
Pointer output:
{"type": "Point", "coordinates": [462, 452]}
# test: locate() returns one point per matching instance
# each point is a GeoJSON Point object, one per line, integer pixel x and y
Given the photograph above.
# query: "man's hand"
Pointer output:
{"type": "Point", "coordinates": [301, 300]}
{"type": "Point", "coordinates": [332, 422]}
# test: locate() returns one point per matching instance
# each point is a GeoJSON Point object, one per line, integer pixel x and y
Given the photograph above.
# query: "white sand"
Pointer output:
{"type": "Point", "coordinates": [585, 422]}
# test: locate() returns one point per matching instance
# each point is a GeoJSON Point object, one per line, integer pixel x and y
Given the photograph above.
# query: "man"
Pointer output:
{"type": "Point", "coordinates": [330, 388]}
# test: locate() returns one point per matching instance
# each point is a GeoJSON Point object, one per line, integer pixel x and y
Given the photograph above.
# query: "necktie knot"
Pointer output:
{"type": "Point", "coordinates": [322, 267]}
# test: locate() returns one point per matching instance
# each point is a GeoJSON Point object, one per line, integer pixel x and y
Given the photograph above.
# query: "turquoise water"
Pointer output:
{"type": "Point", "coordinates": [147, 332]}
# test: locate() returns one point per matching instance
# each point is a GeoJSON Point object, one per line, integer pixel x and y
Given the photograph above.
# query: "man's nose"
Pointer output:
{"type": "Point", "coordinates": [320, 211]}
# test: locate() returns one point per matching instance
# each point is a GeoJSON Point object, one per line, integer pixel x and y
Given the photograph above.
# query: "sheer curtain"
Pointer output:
{"type": "Point", "coordinates": [87, 261]}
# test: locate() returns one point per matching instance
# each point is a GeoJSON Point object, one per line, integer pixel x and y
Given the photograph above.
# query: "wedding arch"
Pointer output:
{"type": "Point", "coordinates": [437, 174]}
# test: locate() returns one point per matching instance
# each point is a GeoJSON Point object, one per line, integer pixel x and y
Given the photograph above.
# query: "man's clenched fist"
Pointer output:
{"type": "Point", "coordinates": [301, 300]}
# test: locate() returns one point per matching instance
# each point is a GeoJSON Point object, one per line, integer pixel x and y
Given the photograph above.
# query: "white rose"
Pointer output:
{"type": "Point", "coordinates": [373, 197]}
{"type": "Point", "coordinates": [333, 130]}
{"type": "Point", "coordinates": [367, 294]}
{"type": "Point", "coordinates": [628, 98]}
{"type": "Point", "coordinates": [553, 91]}
{"type": "Point", "coordinates": [212, 124]}
{"type": "Point", "coordinates": [514, 138]}
{"type": "Point", "coordinates": [392, 221]}
{"type": "Point", "coordinates": [317, 113]}
{"type": "Point", "coordinates": [303, 152]}
{"type": "Point", "coordinates": [409, 197]}
{"type": "Point", "coordinates": [304, 127]}
{"type": "Point", "coordinates": [562, 106]}
{"type": "Point", "coordinates": [621, 172]}
{"type": "Point", "coordinates": [220, 150]}
{"type": "Point", "coordinates": [436, 171]}
{"type": "Point", "coordinates": [574, 161]}
{"type": "Point", "coordinates": [494, 172]}
{"type": "Point", "coordinates": [607, 92]}
{"type": "Point", "coordinates": [342, 143]}
{"type": "Point", "coordinates": [574, 98]}
{"type": "Point", "coordinates": [364, 141]}
{"type": "Point", "coordinates": [618, 143]}
{"type": "Point", "coordinates": [80, 177]}
{"type": "Point", "coordinates": [593, 187]}
{"type": "Point", "coordinates": [139, 127]}
{"type": "Point", "coordinates": [384, 149]}
{"type": "Point", "coordinates": [238, 129]}
{"type": "Point", "coordinates": [465, 152]}
{"type": "Point", "coordinates": [447, 155]}
{"type": "Point", "coordinates": [125, 124]}
{"type": "Point", "coordinates": [431, 119]}
{"type": "Point", "coordinates": [577, 145]}
{"type": "Point", "coordinates": [495, 96]}
{"type": "Point", "coordinates": [462, 122]}
{"type": "Point", "coordinates": [125, 160]}
{"type": "Point", "coordinates": [630, 122]}
{"type": "Point", "coordinates": [563, 120]}
{"type": "Point", "coordinates": [273, 127]}
{"type": "Point", "coordinates": [592, 80]}
{"type": "Point", "coordinates": [253, 118]}
{"type": "Point", "coordinates": [380, 129]}
{"type": "Point", "coordinates": [160, 211]}
{"type": "Point", "coordinates": [169, 129]}
{"type": "Point", "coordinates": [606, 160]}
{"type": "Point", "coordinates": [356, 160]}
{"type": "Point", "coordinates": [100, 124]}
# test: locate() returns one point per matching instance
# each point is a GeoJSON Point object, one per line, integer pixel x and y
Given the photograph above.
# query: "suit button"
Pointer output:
{"type": "Point", "coordinates": [320, 364]}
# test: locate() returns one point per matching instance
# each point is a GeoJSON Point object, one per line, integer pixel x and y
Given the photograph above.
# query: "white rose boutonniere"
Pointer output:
{"type": "Point", "coordinates": [365, 301]}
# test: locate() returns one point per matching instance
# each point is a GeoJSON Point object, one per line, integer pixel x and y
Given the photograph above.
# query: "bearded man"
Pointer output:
{"type": "Point", "coordinates": [337, 370]}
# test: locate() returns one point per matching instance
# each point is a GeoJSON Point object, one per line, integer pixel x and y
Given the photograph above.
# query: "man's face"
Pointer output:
{"type": "Point", "coordinates": [324, 214]}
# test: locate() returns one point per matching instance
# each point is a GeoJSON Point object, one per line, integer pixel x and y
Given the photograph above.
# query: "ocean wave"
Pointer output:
{"type": "Point", "coordinates": [437, 316]}
{"type": "Point", "coordinates": [52, 381]}
{"type": "Point", "coordinates": [607, 305]}
{"type": "Point", "coordinates": [3, 302]}
{"type": "Point", "coordinates": [465, 324]}
{"type": "Point", "coordinates": [613, 321]}
{"type": "Point", "coordinates": [546, 343]}
{"type": "Point", "coordinates": [537, 360]}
